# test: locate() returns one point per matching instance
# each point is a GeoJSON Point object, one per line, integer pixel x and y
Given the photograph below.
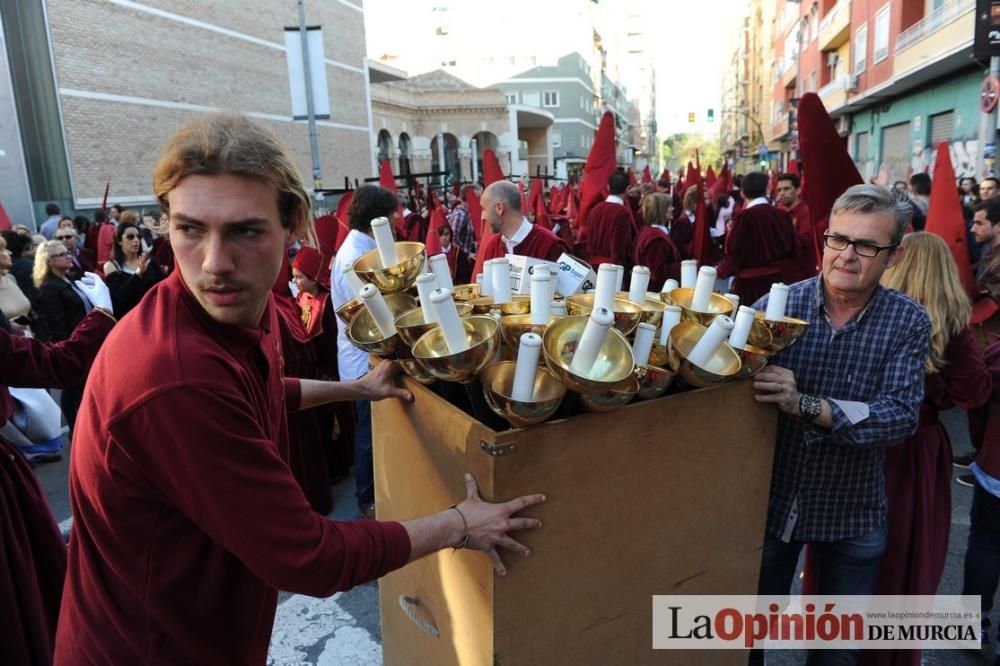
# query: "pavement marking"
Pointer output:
{"type": "Point", "coordinates": [308, 630]}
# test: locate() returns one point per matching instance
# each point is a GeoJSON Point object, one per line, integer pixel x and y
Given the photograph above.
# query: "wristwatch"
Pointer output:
{"type": "Point", "coordinates": [811, 407]}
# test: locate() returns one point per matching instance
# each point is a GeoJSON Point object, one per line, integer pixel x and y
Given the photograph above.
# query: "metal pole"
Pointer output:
{"type": "Point", "coordinates": [474, 149]}
{"type": "Point", "coordinates": [988, 133]}
{"type": "Point", "coordinates": [310, 110]}
{"type": "Point", "coordinates": [441, 165]}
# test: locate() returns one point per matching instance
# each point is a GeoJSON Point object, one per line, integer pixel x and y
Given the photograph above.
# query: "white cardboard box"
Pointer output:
{"type": "Point", "coordinates": [574, 276]}
{"type": "Point", "coordinates": [521, 269]}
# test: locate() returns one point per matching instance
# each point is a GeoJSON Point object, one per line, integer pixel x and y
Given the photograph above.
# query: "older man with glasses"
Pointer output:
{"type": "Point", "coordinates": [848, 389]}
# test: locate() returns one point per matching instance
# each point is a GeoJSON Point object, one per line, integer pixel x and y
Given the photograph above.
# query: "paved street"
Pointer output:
{"type": "Point", "coordinates": [344, 629]}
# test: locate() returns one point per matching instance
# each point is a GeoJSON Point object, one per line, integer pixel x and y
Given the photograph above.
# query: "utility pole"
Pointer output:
{"type": "Point", "coordinates": [310, 109]}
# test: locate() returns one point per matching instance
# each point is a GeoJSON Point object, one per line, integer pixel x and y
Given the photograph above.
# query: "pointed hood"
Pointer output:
{"type": "Point", "coordinates": [314, 263]}
{"type": "Point", "coordinates": [703, 250]}
{"type": "Point", "coordinates": [665, 176]}
{"type": "Point", "coordinates": [632, 182]}
{"type": "Point", "coordinates": [475, 213]}
{"type": "Point", "coordinates": [385, 177]}
{"type": "Point", "coordinates": [646, 176]}
{"type": "Point", "coordinates": [536, 203]}
{"type": "Point", "coordinates": [827, 167]}
{"type": "Point", "coordinates": [600, 165]}
{"type": "Point", "coordinates": [432, 242]}
{"type": "Point", "coordinates": [793, 167]}
{"type": "Point", "coordinates": [722, 184]}
{"type": "Point", "coordinates": [945, 218]}
{"type": "Point", "coordinates": [4, 219]}
{"type": "Point", "coordinates": [327, 231]}
{"type": "Point", "coordinates": [491, 168]}
{"type": "Point", "coordinates": [710, 177]}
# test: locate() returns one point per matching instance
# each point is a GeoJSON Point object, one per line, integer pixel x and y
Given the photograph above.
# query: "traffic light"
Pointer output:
{"type": "Point", "coordinates": [711, 115]}
{"type": "Point", "coordinates": [763, 163]}
{"type": "Point", "coordinates": [691, 117]}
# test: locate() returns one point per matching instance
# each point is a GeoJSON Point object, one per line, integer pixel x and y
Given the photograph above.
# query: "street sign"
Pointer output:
{"type": "Point", "coordinates": [989, 94]}
{"type": "Point", "coordinates": [762, 151]}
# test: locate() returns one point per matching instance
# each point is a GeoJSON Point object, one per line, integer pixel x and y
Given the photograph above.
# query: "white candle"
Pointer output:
{"type": "Point", "coordinates": [527, 365]}
{"type": "Point", "coordinates": [498, 354]}
{"type": "Point", "coordinates": [426, 283]}
{"type": "Point", "coordinates": [384, 241]}
{"type": "Point", "coordinates": [741, 330]}
{"type": "Point", "coordinates": [643, 343]}
{"type": "Point", "coordinates": [352, 280]}
{"type": "Point", "coordinates": [703, 288]}
{"type": "Point", "coordinates": [640, 281]}
{"type": "Point", "coordinates": [777, 302]}
{"type": "Point", "coordinates": [501, 281]}
{"type": "Point", "coordinates": [689, 273]}
{"type": "Point", "coordinates": [607, 279]}
{"type": "Point", "coordinates": [446, 314]}
{"type": "Point", "coordinates": [541, 301]}
{"type": "Point", "coordinates": [710, 341]}
{"type": "Point", "coordinates": [486, 288]}
{"type": "Point", "coordinates": [669, 286]}
{"type": "Point", "coordinates": [735, 299]}
{"type": "Point", "coordinates": [589, 345]}
{"type": "Point", "coordinates": [373, 300]}
{"type": "Point", "coordinates": [671, 317]}
{"type": "Point", "coordinates": [439, 266]}
{"type": "Point", "coordinates": [620, 277]}
{"type": "Point", "coordinates": [558, 308]}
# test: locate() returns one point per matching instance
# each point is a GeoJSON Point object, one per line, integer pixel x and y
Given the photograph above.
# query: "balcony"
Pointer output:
{"type": "Point", "coordinates": [940, 32]}
{"type": "Point", "coordinates": [789, 74]}
{"type": "Point", "coordinates": [834, 94]}
{"type": "Point", "coordinates": [777, 131]}
{"type": "Point", "coordinates": [835, 28]}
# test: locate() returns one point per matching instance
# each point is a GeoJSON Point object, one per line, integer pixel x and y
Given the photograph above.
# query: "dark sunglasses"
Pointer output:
{"type": "Point", "coordinates": [130, 236]}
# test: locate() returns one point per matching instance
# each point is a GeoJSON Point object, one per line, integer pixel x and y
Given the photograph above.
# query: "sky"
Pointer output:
{"type": "Point", "coordinates": [698, 39]}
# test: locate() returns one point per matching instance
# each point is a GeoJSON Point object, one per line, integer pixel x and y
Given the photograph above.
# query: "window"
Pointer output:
{"type": "Point", "coordinates": [511, 98]}
{"type": "Point", "coordinates": [860, 49]}
{"type": "Point", "coordinates": [942, 125]}
{"type": "Point", "coordinates": [861, 149]}
{"type": "Point", "coordinates": [529, 98]}
{"type": "Point", "coordinates": [550, 98]}
{"type": "Point", "coordinates": [882, 34]}
{"type": "Point", "coordinates": [556, 138]}
{"type": "Point", "coordinates": [814, 25]}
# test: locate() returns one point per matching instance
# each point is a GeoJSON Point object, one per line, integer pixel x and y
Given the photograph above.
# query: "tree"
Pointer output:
{"type": "Point", "coordinates": [679, 149]}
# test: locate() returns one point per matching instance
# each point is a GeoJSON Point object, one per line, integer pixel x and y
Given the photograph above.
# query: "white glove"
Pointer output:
{"type": "Point", "coordinates": [95, 289]}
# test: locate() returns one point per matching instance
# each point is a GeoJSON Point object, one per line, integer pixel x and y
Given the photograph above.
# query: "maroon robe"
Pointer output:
{"type": "Point", "coordinates": [32, 551]}
{"type": "Point", "coordinates": [918, 487]}
{"type": "Point", "coordinates": [655, 251]}
{"type": "Point", "coordinates": [807, 263]}
{"type": "Point", "coordinates": [540, 243]}
{"type": "Point", "coordinates": [414, 228]}
{"type": "Point", "coordinates": [610, 235]}
{"type": "Point", "coordinates": [760, 239]}
{"type": "Point", "coordinates": [181, 491]}
{"type": "Point", "coordinates": [682, 234]}
{"type": "Point", "coordinates": [459, 264]}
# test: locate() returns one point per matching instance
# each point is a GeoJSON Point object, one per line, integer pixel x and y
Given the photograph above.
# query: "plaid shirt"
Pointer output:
{"type": "Point", "coordinates": [828, 484]}
{"type": "Point", "coordinates": [461, 228]}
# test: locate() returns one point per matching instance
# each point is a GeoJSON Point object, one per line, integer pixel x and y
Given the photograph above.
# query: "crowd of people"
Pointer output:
{"type": "Point", "coordinates": [221, 435]}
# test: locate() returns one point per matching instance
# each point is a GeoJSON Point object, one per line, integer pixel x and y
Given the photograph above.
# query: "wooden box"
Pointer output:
{"type": "Point", "coordinates": [661, 497]}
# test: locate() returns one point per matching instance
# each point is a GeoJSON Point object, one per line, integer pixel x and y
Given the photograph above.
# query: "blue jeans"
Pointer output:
{"type": "Point", "coordinates": [364, 471]}
{"type": "Point", "coordinates": [848, 566]}
{"type": "Point", "coordinates": [982, 557]}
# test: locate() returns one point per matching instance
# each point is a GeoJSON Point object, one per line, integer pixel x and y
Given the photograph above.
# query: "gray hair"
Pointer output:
{"type": "Point", "coordinates": [507, 193]}
{"type": "Point", "coordinates": [877, 200]}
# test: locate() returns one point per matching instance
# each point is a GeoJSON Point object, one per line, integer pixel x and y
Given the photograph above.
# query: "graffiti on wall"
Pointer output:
{"type": "Point", "coordinates": [964, 153]}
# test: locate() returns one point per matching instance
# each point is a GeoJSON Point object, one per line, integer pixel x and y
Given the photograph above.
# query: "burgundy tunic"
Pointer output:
{"type": "Point", "coordinates": [682, 234]}
{"type": "Point", "coordinates": [760, 239]}
{"type": "Point", "coordinates": [610, 235]}
{"type": "Point", "coordinates": [918, 487]}
{"type": "Point", "coordinates": [655, 251]}
{"type": "Point", "coordinates": [32, 551]}
{"type": "Point", "coordinates": [540, 243]}
{"type": "Point", "coordinates": [187, 519]}
{"type": "Point", "coordinates": [809, 254]}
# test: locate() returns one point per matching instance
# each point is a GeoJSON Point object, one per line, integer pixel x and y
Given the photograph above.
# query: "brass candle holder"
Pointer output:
{"type": "Point", "coordinates": [465, 292]}
{"type": "Point", "coordinates": [615, 359]}
{"type": "Point", "coordinates": [611, 398]}
{"type": "Point", "coordinates": [411, 325]}
{"type": "Point", "coordinates": [752, 360]}
{"type": "Point", "coordinates": [717, 305]}
{"type": "Point", "coordinates": [627, 313]}
{"type": "Point", "coordinates": [363, 332]}
{"type": "Point", "coordinates": [773, 336]}
{"type": "Point", "coordinates": [347, 311]}
{"type": "Point", "coordinates": [518, 304]}
{"type": "Point", "coordinates": [498, 383]}
{"type": "Point", "coordinates": [482, 333]}
{"type": "Point", "coordinates": [512, 327]}
{"type": "Point", "coordinates": [396, 278]}
{"type": "Point", "coordinates": [721, 367]}
{"type": "Point", "coordinates": [653, 381]}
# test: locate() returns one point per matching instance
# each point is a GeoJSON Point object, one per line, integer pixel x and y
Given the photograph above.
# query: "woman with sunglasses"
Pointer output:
{"type": "Point", "coordinates": [131, 272]}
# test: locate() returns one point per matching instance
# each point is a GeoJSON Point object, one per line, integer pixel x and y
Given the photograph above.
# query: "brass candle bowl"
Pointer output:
{"type": "Point", "coordinates": [410, 367]}
{"type": "Point", "coordinates": [411, 324]}
{"type": "Point", "coordinates": [396, 278]}
{"type": "Point", "coordinates": [653, 381]}
{"type": "Point", "coordinates": [431, 353]}
{"type": "Point", "coordinates": [482, 305]}
{"type": "Point", "coordinates": [363, 332]}
{"type": "Point", "coordinates": [721, 367]}
{"type": "Point", "coordinates": [773, 336]}
{"type": "Point", "coordinates": [752, 360]}
{"type": "Point", "coordinates": [465, 292]}
{"type": "Point", "coordinates": [347, 311]}
{"type": "Point", "coordinates": [664, 356]}
{"type": "Point", "coordinates": [512, 327]}
{"type": "Point", "coordinates": [615, 359]}
{"type": "Point", "coordinates": [652, 312]}
{"type": "Point", "coordinates": [611, 398]}
{"type": "Point", "coordinates": [498, 383]}
{"type": "Point", "coordinates": [717, 305]}
{"type": "Point", "coordinates": [518, 305]}
{"type": "Point", "coordinates": [627, 314]}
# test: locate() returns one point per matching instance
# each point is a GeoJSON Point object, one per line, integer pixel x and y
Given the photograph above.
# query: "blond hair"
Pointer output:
{"type": "Point", "coordinates": [654, 208]}
{"type": "Point", "coordinates": [926, 272]}
{"type": "Point", "coordinates": [691, 198]}
{"type": "Point", "coordinates": [230, 143]}
{"type": "Point", "coordinates": [43, 253]}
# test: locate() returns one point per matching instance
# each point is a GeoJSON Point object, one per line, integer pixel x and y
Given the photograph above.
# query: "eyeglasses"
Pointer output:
{"type": "Point", "coordinates": [70, 237]}
{"type": "Point", "coordinates": [130, 236]}
{"type": "Point", "coordinates": [862, 248]}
